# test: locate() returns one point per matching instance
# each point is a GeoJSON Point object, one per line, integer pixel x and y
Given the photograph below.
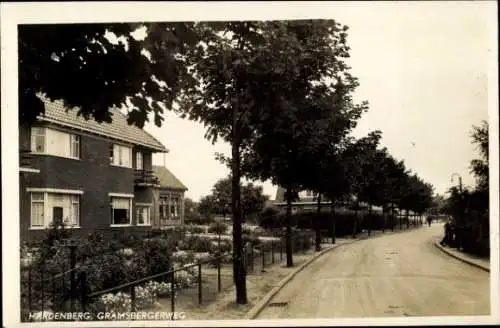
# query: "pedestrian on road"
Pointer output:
{"type": "Point", "coordinates": [447, 234]}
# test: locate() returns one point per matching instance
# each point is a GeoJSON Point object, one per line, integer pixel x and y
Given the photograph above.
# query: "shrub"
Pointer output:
{"type": "Point", "coordinates": [217, 228]}
{"type": "Point", "coordinates": [164, 289]}
{"type": "Point", "coordinates": [182, 257]}
{"type": "Point", "coordinates": [197, 244]}
{"type": "Point", "coordinates": [196, 218]}
{"type": "Point", "coordinates": [183, 279]}
{"type": "Point", "coordinates": [146, 298]}
{"type": "Point", "coordinates": [196, 229]}
{"type": "Point", "coordinates": [202, 256]}
{"type": "Point", "coordinates": [268, 217]}
{"type": "Point", "coordinates": [157, 252]}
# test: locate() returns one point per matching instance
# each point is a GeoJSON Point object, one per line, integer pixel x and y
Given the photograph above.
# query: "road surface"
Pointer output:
{"type": "Point", "coordinates": [396, 275]}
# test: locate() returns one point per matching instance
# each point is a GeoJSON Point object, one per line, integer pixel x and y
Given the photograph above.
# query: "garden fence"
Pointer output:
{"type": "Point", "coordinates": [45, 292]}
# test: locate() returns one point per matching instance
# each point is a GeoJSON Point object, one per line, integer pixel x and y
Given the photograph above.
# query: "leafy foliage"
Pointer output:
{"type": "Point", "coordinates": [479, 167]}
{"type": "Point", "coordinates": [218, 228]}
{"type": "Point", "coordinates": [54, 58]}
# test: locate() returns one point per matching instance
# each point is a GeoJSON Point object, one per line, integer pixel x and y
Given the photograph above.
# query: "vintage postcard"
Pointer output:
{"type": "Point", "coordinates": [249, 163]}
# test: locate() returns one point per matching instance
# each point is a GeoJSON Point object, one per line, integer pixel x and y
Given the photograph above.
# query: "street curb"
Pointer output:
{"type": "Point", "coordinates": [254, 312]}
{"type": "Point", "coordinates": [461, 258]}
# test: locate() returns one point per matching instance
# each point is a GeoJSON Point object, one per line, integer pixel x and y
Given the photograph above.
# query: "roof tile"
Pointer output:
{"type": "Point", "coordinates": [119, 129]}
{"type": "Point", "coordinates": [167, 178]}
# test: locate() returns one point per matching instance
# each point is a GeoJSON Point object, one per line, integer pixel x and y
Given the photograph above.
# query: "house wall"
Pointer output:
{"type": "Point", "coordinates": [92, 173]}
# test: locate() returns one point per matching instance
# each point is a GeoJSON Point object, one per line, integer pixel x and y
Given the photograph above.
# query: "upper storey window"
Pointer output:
{"type": "Point", "coordinates": [53, 142]}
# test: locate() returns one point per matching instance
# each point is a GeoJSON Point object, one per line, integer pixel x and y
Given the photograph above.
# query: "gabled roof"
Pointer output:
{"type": "Point", "coordinates": [167, 178]}
{"type": "Point", "coordinates": [119, 129]}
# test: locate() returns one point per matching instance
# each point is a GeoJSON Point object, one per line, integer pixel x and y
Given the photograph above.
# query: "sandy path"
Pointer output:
{"type": "Point", "coordinates": [401, 274]}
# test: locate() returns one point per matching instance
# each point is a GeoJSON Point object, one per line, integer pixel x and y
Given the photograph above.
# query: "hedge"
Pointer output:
{"type": "Point", "coordinates": [311, 220]}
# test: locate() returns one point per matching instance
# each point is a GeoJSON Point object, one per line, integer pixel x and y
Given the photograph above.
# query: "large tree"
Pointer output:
{"type": "Point", "coordinates": [251, 74]}
{"type": "Point", "coordinates": [221, 196]}
{"type": "Point", "coordinates": [395, 173]}
{"type": "Point", "coordinates": [252, 197]}
{"type": "Point", "coordinates": [86, 68]}
{"type": "Point", "coordinates": [324, 172]}
{"type": "Point", "coordinates": [356, 159]}
{"type": "Point", "coordinates": [253, 200]}
{"type": "Point", "coordinates": [306, 102]}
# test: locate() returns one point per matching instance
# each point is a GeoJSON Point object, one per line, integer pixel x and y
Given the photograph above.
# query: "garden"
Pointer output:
{"type": "Point", "coordinates": [169, 269]}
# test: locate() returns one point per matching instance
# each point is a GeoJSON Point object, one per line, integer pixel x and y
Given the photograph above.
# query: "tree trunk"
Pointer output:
{"type": "Point", "coordinates": [393, 217]}
{"type": "Point", "coordinates": [317, 225]}
{"type": "Point", "coordinates": [334, 222]}
{"type": "Point", "coordinates": [238, 264]}
{"type": "Point", "coordinates": [384, 217]}
{"type": "Point", "coordinates": [289, 256]}
{"type": "Point", "coordinates": [407, 219]}
{"type": "Point", "coordinates": [355, 223]}
{"type": "Point", "coordinates": [370, 219]}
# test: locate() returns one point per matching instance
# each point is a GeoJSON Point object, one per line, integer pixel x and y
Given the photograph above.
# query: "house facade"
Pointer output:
{"type": "Point", "coordinates": [308, 202]}
{"type": "Point", "coordinates": [90, 176]}
{"type": "Point", "coordinates": [168, 199]}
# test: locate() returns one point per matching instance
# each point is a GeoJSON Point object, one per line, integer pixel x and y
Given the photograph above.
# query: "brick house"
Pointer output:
{"type": "Point", "coordinates": [91, 176]}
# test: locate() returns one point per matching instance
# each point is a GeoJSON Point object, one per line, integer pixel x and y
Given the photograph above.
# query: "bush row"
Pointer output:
{"type": "Point", "coordinates": [271, 218]}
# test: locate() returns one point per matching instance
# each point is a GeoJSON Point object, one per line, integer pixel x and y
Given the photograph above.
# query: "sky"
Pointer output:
{"type": "Point", "coordinates": [423, 69]}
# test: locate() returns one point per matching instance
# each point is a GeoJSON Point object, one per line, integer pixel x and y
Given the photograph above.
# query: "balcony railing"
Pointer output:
{"type": "Point", "coordinates": [25, 157]}
{"type": "Point", "coordinates": [145, 178]}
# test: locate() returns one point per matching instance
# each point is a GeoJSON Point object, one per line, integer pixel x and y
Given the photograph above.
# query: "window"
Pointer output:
{"type": "Point", "coordinates": [74, 211]}
{"type": "Point", "coordinates": [121, 156]}
{"type": "Point", "coordinates": [54, 142]}
{"type": "Point", "coordinates": [120, 211]}
{"type": "Point", "coordinates": [163, 208]}
{"type": "Point", "coordinates": [170, 207]}
{"type": "Point", "coordinates": [138, 161]}
{"type": "Point", "coordinates": [75, 146]}
{"type": "Point", "coordinates": [37, 140]}
{"type": "Point", "coordinates": [174, 208]}
{"type": "Point", "coordinates": [142, 215]}
{"type": "Point", "coordinates": [60, 208]}
{"type": "Point", "coordinates": [37, 210]}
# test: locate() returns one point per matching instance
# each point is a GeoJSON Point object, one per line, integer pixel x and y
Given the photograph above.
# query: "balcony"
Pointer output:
{"type": "Point", "coordinates": [145, 178]}
{"type": "Point", "coordinates": [25, 161]}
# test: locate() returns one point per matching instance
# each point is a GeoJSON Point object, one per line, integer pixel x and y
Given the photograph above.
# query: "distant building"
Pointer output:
{"type": "Point", "coordinates": [308, 202]}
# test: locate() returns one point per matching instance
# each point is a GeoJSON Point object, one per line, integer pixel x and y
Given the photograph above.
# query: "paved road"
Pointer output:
{"type": "Point", "coordinates": [396, 275]}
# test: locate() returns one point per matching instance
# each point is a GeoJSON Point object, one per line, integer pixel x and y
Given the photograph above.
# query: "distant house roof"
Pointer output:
{"type": "Point", "coordinates": [167, 178]}
{"type": "Point", "coordinates": [119, 129]}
